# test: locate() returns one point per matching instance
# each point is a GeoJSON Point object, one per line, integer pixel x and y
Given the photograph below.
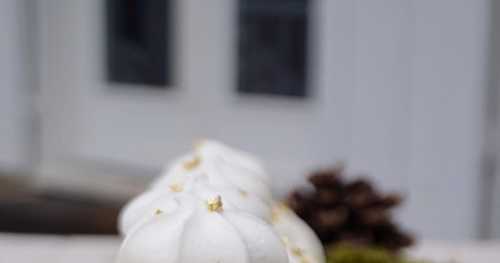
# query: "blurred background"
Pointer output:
{"type": "Point", "coordinates": [96, 96]}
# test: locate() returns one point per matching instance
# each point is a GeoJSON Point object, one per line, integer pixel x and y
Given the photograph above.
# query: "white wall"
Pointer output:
{"type": "Point", "coordinates": [15, 94]}
{"type": "Point", "coordinates": [491, 183]}
{"type": "Point", "coordinates": [398, 88]}
{"type": "Point", "coordinates": [448, 86]}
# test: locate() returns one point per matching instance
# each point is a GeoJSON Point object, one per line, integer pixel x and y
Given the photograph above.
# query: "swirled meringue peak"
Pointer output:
{"type": "Point", "coordinates": [232, 157]}
{"type": "Point", "coordinates": [222, 167]}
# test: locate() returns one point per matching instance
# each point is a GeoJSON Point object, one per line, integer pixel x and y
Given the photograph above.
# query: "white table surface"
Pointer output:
{"type": "Point", "coordinates": [458, 251]}
{"type": "Point", "coordinates": [57, 249]}
{"type": "Point", "coordinates": [102, 249]}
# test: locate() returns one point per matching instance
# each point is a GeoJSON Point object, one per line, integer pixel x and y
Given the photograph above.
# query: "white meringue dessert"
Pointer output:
{"type": "Point", "coordinates": [302, 243]}
{"type": "Point", "coordinates": [214, 205]}
{"type": "Point", "coordinates": [186, 229]}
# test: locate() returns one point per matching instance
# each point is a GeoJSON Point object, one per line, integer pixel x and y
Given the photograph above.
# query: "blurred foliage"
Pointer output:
{"type": "Point", "coordinates": [357, 254]}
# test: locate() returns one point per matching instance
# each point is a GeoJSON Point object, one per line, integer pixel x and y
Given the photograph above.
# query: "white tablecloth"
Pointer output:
{"type": "Point", "coordinates": [458, 251]}
{"type": "Point", "coordinates": [57, 249]}
{"type": "Point", "coordinates": [93, 249]}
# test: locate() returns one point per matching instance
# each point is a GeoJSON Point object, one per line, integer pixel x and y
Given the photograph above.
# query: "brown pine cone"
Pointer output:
{"type": "Point", "coordinates": [373, 216]}
{"type": "Point", "coordinates": [354, 212]}
{"type": "Point", "coordinates": [326, 179]}
{"type": "Point", "coordinates": [330, 219]}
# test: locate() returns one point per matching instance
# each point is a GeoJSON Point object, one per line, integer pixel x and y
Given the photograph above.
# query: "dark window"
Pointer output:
{"type": "Point", "coordinates": [138, 41]}
{"type": "Point", "coordinates": [273, 47]}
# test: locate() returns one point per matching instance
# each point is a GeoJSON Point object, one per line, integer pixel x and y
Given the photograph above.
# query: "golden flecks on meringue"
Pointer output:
{"type": "Point", "coordinates": [285, 241]}
{"type": "Point", "coordinates": [215, 204]}
{"type": "Point", "coordinates": [243, 193]}
{"type": "Point", "coordinates": [299, 253]}
{"type": "Point", "coordinates": [176, 188]}
{"type": "Point", "coordinates": [197, 145]}
{"type": "Point", "coordinates": [158, 211]}
{"type": "Point", "coordinates": [277, 211]}
{"type": "Point", "coordinates": [295, 251]}
{"type": "Point", "coordinates": [193, 163]}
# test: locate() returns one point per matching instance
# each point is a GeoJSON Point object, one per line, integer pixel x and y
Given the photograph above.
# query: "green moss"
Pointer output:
{"type": "Point", "coordinates": [352, 254]}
